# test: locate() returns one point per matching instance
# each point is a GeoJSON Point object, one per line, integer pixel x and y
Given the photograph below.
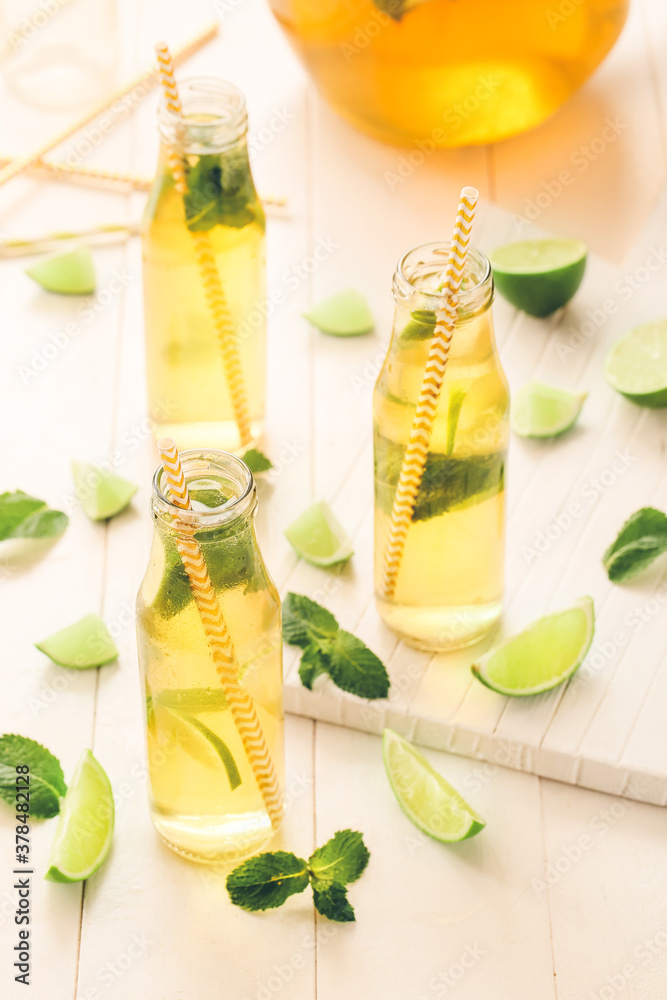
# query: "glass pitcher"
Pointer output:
{"type": "Point", "coordinates": [449, 72]}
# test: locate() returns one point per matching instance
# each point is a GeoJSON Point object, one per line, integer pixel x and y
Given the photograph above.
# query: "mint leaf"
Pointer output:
{"type": "Point", "coordinates": [266, 881]}
{"type": "Point", "coordinates": [331, 901]}
{"type": "Point", "coordinates": [342, 859]}
{"type": "Point", "coordinates": [305, 622]}
{"type": "Point", "coordinates": [447, 483]}
{"type": "Point", "coordinates": [642, 539]}
{"type": "Point", "coordinates": [221, 192]}
{"type": "Point", "coordinates": [353, 667]}
{"type": "Point", "coordinates": [23, 516]}
{"type": "Point", "coordinates": [311, 666]}
{"type": "Point", "coordinates": [257, 461]}
{"type": "Point", "coordinates": [47, 782]}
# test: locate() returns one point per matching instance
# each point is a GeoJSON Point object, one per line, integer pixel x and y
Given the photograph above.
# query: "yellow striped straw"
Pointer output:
{"type": "Point", "coordinates": [416, 452]}
{"type": "Point", "coordinates": [220, 641]}
{"type": "Point", "coordinates": [208, 269]}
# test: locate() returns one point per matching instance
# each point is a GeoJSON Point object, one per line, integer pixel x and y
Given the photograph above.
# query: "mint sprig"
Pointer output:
{"type": "Point", "coordinates": [23, 516]}
{"type": "Point", "coordinates": [350, 664]}
{"type": "Point", "coordinates": [47, 782]}
{"type": "Point", "coordinates": [268, 880]}
{"type": "Point", "coordinates": [642, 539]}
{"type": "Point", "coordinates": [221, 192]}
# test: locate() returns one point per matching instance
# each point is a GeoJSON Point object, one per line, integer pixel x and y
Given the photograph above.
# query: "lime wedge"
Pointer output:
{"type": "Point", "coordinates": [69, 273]}
{"type": "Point", "coordinates": [188, 733]}
{"type": "Point", "coordinates": [102, 494]}
{"type": "Point", "coordinates": [541, 411]}
{"type": "Point", "coordinates": [85, 644]}
{"type": "Point", "coordinates": [539, 276]}
{"type": "Point", "coordinates": [343, 315]}
{"type": "Point", "coordinates": [543, 655]}
{"type": "Point", "coordinates": [318, 537]}
{"type": "Point", "coordinates": [424, 795]}
{"type": "Point", "coordinates": [636, 366]}
{"type": "Point", "coordinates": [85, 824]}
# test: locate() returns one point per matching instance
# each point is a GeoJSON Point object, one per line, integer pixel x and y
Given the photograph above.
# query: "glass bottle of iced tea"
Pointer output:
{"type": "Point", "coordinates": [189, 395]}
{"type": "Point", "coordinates": [204, 796]}
{"type": "Point", "coordinates": [449, 72]}
{"type": "Point", "coordinates": [449, 586]}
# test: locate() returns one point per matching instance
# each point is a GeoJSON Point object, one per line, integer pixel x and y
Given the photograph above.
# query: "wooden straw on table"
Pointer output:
{"type": "Point", "coordinates": [220, 642]}
{"type": "Point", "coordinates": [416, 452]}
{"type": "Point", "coordinates": [208, 269]}
{"type": "Point", "coordinates": [148, 79]}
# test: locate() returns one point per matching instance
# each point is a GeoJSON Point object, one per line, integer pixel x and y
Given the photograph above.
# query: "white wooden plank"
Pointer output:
{"type": "Point", "coordinates": [429, 903]}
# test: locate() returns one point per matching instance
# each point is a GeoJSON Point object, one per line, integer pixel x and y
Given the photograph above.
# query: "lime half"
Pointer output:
{"type": "Point", "coordinates": [85, 824]}
{"type": "Point", "coordinates": [318, 536]}
{"type": "Point", "coordinates": [543, 655]}
{"type": "Point", "coordinates": [539, 276]}
{"type": "Point", "coordinates": [541, 411]}
{"type": "Point", "coordinates": [636, 366]}
{"type": "Point", "coordinates": [424, 795]}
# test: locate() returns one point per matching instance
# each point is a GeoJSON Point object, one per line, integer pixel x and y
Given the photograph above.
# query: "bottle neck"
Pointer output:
{"type": "Point", "coordinates": [223, 497]}
{"type": "Point", "coordinates": [213, 118]}
{"type": "Point", "coordinates": [419, 276]}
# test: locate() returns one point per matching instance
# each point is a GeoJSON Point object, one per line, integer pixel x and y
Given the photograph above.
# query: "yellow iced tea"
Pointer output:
{"type": "Point", "coordinates": [205, 800]}
{"type": "Point", "coordinates": [188, 392]}
{"type": "Point", "coordinates": [455, 72]}
{"type": "Point", "coordinates": [450, 583]}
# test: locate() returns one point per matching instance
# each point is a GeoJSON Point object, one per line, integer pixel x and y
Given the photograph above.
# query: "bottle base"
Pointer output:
{"type": "Point", "coordinates": [440, 629]}
{"type": "Point", "coordinates": [223, 435]}
{"type": "Point", "coordinates": [214, 840]}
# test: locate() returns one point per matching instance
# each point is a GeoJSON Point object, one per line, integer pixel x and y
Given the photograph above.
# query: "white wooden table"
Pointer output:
{"type": "Point", "coordinates": [564, 895]}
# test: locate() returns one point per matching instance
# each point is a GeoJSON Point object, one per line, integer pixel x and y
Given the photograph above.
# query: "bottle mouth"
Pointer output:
{"type": "Point", "coordinates": [209, 473]}
{"type": "Point", "coordinates": [213, 115]}
{"type": "Point", "coordinates": [421, 270]}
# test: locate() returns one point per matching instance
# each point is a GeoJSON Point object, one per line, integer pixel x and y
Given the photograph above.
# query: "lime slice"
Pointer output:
{"type": "Point", "coordinates": [541, 411]}
{"type": "Point", "coordinates": [636, 366]}
{"type": "Point", "coordinates": [543, 655]}
{"type": "Point", "coordinates": [69, 273]}
{"type": "Point", "coordinates": [102, 494]}
{"type": "Point", "coordinates": [178, 728]}
{"type": "Point", "coordinates": [85, 644]}
{"type": "Point", "coordinates": [539, 276]}
{"type": "Point", "coordinates": [424, 795]}
{"type": "Point", "coordinates": [85, 824]}
{"type": "Point", "coordinates": [318, 537]}
{"type": "Point", "coordinates": [343, 315]}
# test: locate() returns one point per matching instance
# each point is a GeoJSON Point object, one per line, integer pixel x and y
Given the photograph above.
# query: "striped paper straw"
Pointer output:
{"type": "Point", "coordinates": [208, 269]}
{"type": "Point", "coordinates": [220, 641]}
{"type": "Point", "coordinates": [416, 452]}
{"type": "Point", "coordinates": [146, 79]}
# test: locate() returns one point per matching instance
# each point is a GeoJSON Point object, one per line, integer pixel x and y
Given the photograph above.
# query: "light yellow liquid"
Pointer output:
{"type": "Point", "coordinates": [450, 72]}
{"type": "Point", "coordinates": [188, 393]}
{"type": "Point", "coordinates": [192, 805]}
{"type": "Point", "coordinates": [450, 582]}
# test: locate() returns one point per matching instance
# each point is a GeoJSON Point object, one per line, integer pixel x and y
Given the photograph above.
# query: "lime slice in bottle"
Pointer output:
{"type": "Point", "coordinates": [539, 276]}
{"type": "Point", "coordinates": [177, 728]}
{"type": "Point", "coordinates": [541, 411]}
{"type": "Point", "coordinates": [70, 273]}
{"type": "Point", "coordinates": [318, 537]}
{"type": "Point", "coordinates": [345, 314]}
{"type": "Point", "coordinates": [636, 365]}
{"type": "Point", "coordinates": [85, 644]}
{"type": "Point", "coordinates": [543, 655]}
{"type": "Point", "coordinates": [424, 795]}
{"type": "Point", "coordinates": [102, 494]}
{"type": "Point", "coordinates": [85, 824]}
